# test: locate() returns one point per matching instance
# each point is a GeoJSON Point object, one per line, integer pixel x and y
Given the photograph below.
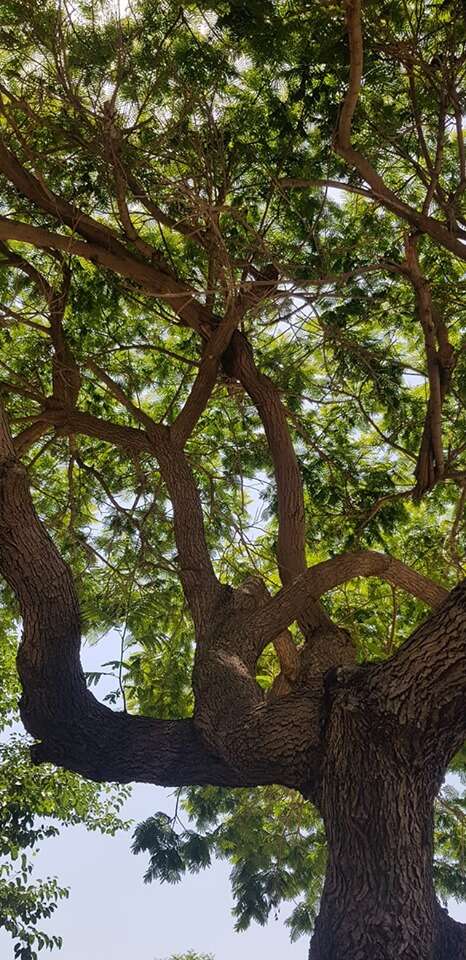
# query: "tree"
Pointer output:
{"type": "Point", "coordinates": [191, 955]}
{"type": "Point", "coordinates": [232, 243]}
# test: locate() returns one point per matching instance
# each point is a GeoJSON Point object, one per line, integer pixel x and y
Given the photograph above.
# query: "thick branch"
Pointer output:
{"type": "Point", "coordinates": [430, 466]}
{"type": "Point", "coordinates": [199, 581]}
{"type": "Point", "coordinates": [424, 683]}
{"type": "Point", "coordinates": [288, 604]}
{"type": "Point", "coordinates": [152, 281]}
{"type": "Point", "coordinates": [325, 643]}
{"type": "Point", "coordinates": [57, 708]}
{"type": "Point", "coordinates": [83, 735]}
{"type": "Point", "coordinates": [204, 383]}
{"type": "Point", "coordinates": [239, 362]}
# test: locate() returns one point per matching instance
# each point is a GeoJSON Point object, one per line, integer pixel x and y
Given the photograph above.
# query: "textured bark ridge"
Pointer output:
{"type": "Point", "coordinates": [377, 802]}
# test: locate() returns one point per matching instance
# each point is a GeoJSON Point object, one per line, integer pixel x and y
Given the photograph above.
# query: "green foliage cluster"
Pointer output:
{"type": "Point", "coordinates": [276, 845]}
{"type": "Point", "coordinates": [191, 955]}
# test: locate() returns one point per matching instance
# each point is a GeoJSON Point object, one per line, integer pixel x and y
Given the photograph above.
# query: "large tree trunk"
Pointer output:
{"type": "Point", "coordinates": [378, 792]}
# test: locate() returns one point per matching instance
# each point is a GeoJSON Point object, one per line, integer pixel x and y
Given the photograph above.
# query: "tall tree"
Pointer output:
{"type": "Point", "coordinates": [232, 246]}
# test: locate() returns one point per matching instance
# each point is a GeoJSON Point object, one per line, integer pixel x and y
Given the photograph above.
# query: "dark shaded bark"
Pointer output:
{"type": "Point", "coordinates": [377, 801]}
{"type": "Point", "coordinates": [450, 937]}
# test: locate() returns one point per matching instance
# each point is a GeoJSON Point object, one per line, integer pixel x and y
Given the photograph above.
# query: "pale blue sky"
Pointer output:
{"type": "Point", "coordinates": [113, 915]}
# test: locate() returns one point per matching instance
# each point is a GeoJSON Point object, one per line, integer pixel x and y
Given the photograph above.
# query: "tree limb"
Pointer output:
{"type": "Point", "coordinates": [154, 282]}
{"type": "Point", "coordinates": [57, 708]}
{"type": "Point", "coordinates": [194, 407]}
{"type": "Point", "coordinates": [343, 146]}
{"type": "Point", "coordinates": [430, 466]}
{"type": "Point", "coordinates": [239, 362]}
{"type": "Point", "coordinates": [73, 728]}
{"type": "Point", "coordinates": [287, 605]}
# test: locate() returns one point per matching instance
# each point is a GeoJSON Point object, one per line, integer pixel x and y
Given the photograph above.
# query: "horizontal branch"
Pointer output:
{"type": "Point", "coordinates": [74, 729]}
{"type": "Point", "coordinates": [299, 183]}
{"type": "Point", "coordinates": [111, 746]}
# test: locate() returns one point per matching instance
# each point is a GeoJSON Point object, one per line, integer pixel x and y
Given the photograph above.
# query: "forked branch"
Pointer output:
{"type": "Point", "coordinates": [74, 729]}
{"type": "Point", "coordinates": [440, 357]}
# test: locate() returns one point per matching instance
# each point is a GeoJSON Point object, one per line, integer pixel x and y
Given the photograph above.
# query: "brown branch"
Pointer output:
{"type": "Point", "coordinates": [16, 317]}
{"type": "Point", "coordinates": [239, 362]}
{"type": "Point", "coordinates": [200, 584]}
{"type": "Point", "coordinates": [288, 604]}
{"type": "Point", "coordinates": [204, 383]}
{"type": "Point", "coordinates": [198, 578]}
{"type": "Point", "coordinates": [109, 251]}
{"type": "Point", "coordinates": [72, 420]}
{"type": "Point", "coordinates": [197, 575]}
{"type": "Point", "coordinates": [73, 729]}
{"type": "Point", "coordinates": [66, 376]}
{"type": "Point", "coordinates": [16, 260]}
{"type": "Point", "coordinates": [114, 388]}
{"type": "Point", "coordinates": [435, 173]}
{"type": "Point", "coordinates": [303, 184]}
{"type": "Point", "coordinates": [343, 146]}
{"type": "Point", "coordinates": [76, 730]}
{"type": "Point", "coordinates": [424, 683]}
{"type": "Point", "coordinates": [154, 282]}
{"type": "Point", "coordinates": [326, 643]}
{"type": "Point", "coordinates": [356, 53]}
{"type": "Point", "coordinates": [194, 232]}
{"type": "Point", "coordinates": [29, 436]}
{"type": "Point", "coordinates": [430, 466]}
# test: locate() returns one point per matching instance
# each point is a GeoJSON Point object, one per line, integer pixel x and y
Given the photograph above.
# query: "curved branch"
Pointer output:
{"type": "Point", "coordinates": [197, 575]}
{"type": "Point", "coordinates": [343, 146]}
{"type": "Point", "coordinates": [205, 380]}
{"type": "Point", "coordinates": [75, 730]}
{"type": "Point", "coordinates": [440, 356]}
{"type": "Point", "coordinates": [326, 643]}
{"type": "Point", "coordinates": [288, 604]}
{"type": "Point", "coordinates": [266, 745]}
{"type": "Point", "coordinates": [239, 362]}
{"type": "Point", "coordinates": [353, 20]}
